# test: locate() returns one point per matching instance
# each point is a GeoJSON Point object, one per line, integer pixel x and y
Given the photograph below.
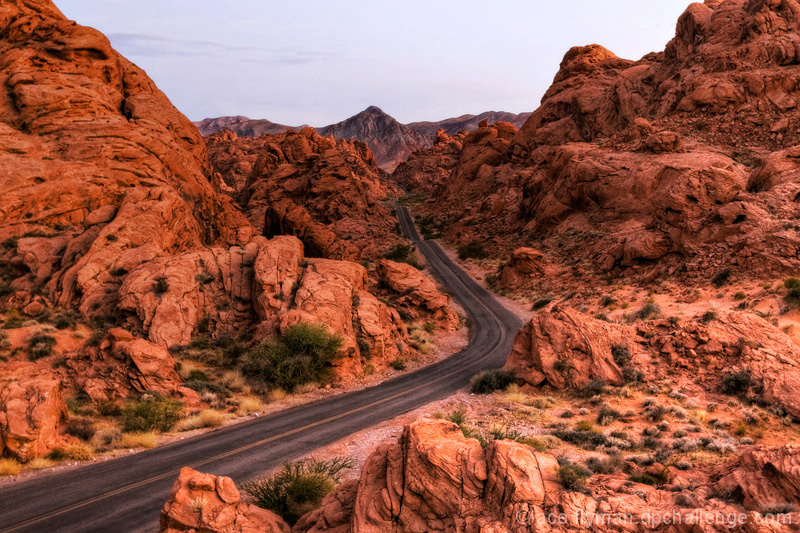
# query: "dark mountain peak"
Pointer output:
{"type": "Point", "coordinates": [373, 110]}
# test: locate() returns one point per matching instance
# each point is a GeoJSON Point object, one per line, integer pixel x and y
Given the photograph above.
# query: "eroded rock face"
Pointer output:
{"type": "Point", "coordinates": [31, 410]}
{"type": "Point", "coordinates": [202, 502]}
{"type": "Point", "coordinates": [417, 293]}
{"type": "Point", "coordinates": [100, 171]}
{"type": "Point", "coordinates": [763, 476]}
{"type": "Point", "coordinates": [328, 193]}
{"type": "Point", "coordinates": [436, 480]}
{"type": "Point", "coordinates": [639, 167]}
{"type": "Point", "coordinates": [566, 349]}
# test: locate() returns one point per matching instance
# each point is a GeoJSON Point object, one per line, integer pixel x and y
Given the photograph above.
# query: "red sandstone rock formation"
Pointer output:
{"type": "Point", "coordinates": [202, 502]}
{"type": "Point", "coordinates": [330, 194]}
{"type": "Point", "coordinates": [676, 163]}
{"type": "Point", "coordinates": [567, 349]}
{"type": "Point", "coordinates": [31, 410]}
{"type": "Point", "coordinates": [436, 480]}
{"type": "Point", "coordinates": [418, 294]}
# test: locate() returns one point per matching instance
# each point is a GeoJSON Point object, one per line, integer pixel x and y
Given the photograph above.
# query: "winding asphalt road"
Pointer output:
{"type": "Point", "coordinates": [126, 495]}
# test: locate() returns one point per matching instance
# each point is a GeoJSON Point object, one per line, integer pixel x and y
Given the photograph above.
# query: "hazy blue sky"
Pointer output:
{"type": "Point", "coordinates": [318, 62]}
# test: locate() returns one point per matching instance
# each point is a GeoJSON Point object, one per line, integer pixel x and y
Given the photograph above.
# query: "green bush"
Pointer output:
{"type": "Point", "coordinates": [151, 414]}
{"type": "Point", "coordinates": [398, 364]}
{"type": "Point", "coordinates": [793, 291]}
{"type": "Point", "coordinates": [298, 487]}
{"type": "Point", "coordinates": [40, 344]}
{"type": "Point", "coordinates": [65, 320]}
{"type": "Point", "coordinates": [473, 250]}
{"type": "Point", "coordinates": [402, 253]}
{"type": "Point", "coordinates": [301, 355]}
{"type": "Point", "coordinates": [573, 476]}
{"type": "Point", "coordinates": [488, 381]}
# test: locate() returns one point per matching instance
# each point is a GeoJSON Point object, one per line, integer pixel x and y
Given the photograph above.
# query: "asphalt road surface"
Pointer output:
{"type": "Point", "coordinates": [126, 495]}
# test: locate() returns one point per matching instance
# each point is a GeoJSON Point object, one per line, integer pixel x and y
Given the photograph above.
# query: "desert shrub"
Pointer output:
{"type": "Point", "coordinates": [203, 386]}
{"type": "Point", "coordinates": [778, 508]}
{"type": "Point", "coordinates": [621, 355]}
{"type": "Point", "coordinates": [606, 300]}
{"type": "Point", "coordinates": [736, 383]}
{"type": "Point", "coordinates": [584, 425]}
{"type": "Point", "coordinates": [151, 414]}
{"type": "Point", "coordinates": [648, 311]}
{"type": "Point", "coordinates": [501, 432]}
{"type": "Point", "coordinates": [573, 476]}
{"type": "Point", "coordinates": [298, 487]}
{"type": "Point", "coordinates": [472, 250]}
{"type": "Point", "coordinates": [398, 364]}
{"type": "Point", "coordinates": [585, 439]}
{"type": "Point", "coordinates": [488, 381]}
{"type": "Point", "coordinates": [197, 375]}
{"type": "Point", "coordinates": [106, 439]}
{"type": "Point", "coordinates": [739, 295]}
{"type": "Point", "coordinates": [649, 479]}
{"type": "Point", "coordinates": [541, 303]}
{"type": "Point", "coordinates": [721, 277]}
{"type": "Point", "coordinates": [792, 297]}
{"type": "Point", "coordinates": [301, 355]}
{"type": "Point", "coordinates": [80, 427]}
{"type": "Point", "coordinates": [607, 415]}
{"type": "Point", "coordinates": [402, 253]}
{"type": "Point", "coordinates": [41, 344]}
{"type": "Point", "coordinates": [656, 413]}
{"type": "Point", "coordinates": [160, 285]}
{"type": "Point", "coordinates": [363, 347]}
{"type": "Point", "coordinates": [708, 316]}
{"type": "Point", "coordinates": [65, 320]}
{"type": "Point", "coordinates": [458, 417]}
{"type": "Point", "coordinates": [595, 387]}
{"type": "Point", "coordinates": [605, 465]}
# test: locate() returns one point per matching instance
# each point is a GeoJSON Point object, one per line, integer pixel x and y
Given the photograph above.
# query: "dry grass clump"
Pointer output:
{"type": "Point", "coordinates": [250, 404]}
{"type": "Point", "coordinates": [146, 440]}
{"type": "Point", "coordinates": [205, 419]}
{"type": "Point", "coordinates": [9, 467]}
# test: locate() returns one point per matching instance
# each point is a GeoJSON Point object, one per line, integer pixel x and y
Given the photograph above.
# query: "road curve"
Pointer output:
{"type": "Point", "coordinates": [127, 494]}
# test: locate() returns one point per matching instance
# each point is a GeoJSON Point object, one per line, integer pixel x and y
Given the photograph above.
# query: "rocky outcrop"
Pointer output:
{"type": "Point", "coordinates": [31, 410]}
{"type": "Point", "coordinates": [675, 164]}
{"type": "Point", "coordinates": [763, 477]}
{"type": "Point", "coordinates": [202, 502]}
{"type": "Point", "coordinates": [525, 266]}
{"type": "Point", "coordinates": [417, 293]}
{"type": "Point", "coordinates": [566, 349]}
{"type": "Point", "coordinates": [268, 285]}
{"type": "Point", "coordinates": [330, 194]}
{"type": "Point", "coordinates": [434, 479]}
{"type": "Point", "coordinates": [102, 173]}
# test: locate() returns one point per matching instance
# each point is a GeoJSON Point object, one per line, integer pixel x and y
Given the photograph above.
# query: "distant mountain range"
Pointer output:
{"type": "Point", "coordinates": [391, 141]}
